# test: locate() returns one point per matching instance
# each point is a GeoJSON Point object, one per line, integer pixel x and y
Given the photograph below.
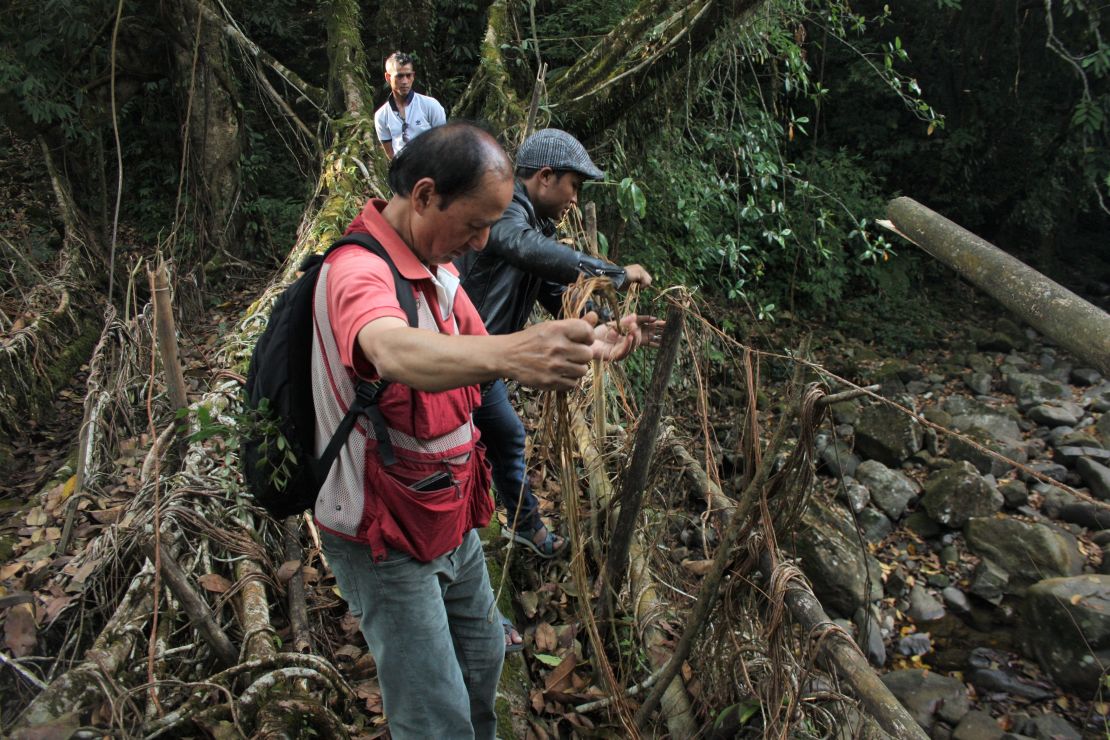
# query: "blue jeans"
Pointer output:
{"type": "Point", "coordinates": [503, 434]}
{"type": "Point", "coordinates": [434, 632]}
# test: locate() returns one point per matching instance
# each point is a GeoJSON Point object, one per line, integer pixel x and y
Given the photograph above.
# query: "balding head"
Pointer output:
{"type": "Point", "coordinates": [456, 156]}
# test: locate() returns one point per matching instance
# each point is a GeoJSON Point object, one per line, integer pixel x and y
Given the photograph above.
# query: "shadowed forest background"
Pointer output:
{"type": "Point", "coordinates": [750, 148]}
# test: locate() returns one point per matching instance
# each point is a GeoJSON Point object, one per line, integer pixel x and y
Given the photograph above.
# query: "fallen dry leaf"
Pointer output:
{"type": "Point", "coordinates": [559, 679]}
{"type": "Point", "coordinates": [20, 633]}
{"type": "Point", "coordinates": [698, 567]}
{"type": "Point", "coordinates": [287, 570]}
{"type": "Point", "coordinates": [214, 582]}
{"type": "Point", "coordinates": [546, 639]}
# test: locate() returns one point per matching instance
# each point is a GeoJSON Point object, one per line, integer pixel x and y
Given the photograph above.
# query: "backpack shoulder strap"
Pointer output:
{"type": "Point", "coordinates": [366, 393]}
{"type": "Point", "coordinates": [404, 287]}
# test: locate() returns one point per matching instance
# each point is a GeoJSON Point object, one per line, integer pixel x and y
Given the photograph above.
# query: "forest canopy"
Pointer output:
{"type": "Point", "coordinates": [754, 168]}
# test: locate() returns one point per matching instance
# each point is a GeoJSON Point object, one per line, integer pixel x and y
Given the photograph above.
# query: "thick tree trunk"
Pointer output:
{"type": "Point", "coordinates": [213, 140]}
{"type": "Point", "coordinates": [1047, 306]}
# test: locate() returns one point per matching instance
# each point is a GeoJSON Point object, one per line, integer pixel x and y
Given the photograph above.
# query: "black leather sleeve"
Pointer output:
{"type": "Point", "coordinates": [527, 248]}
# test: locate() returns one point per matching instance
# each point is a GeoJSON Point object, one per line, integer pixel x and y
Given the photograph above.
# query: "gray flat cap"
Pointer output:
{"type": "Point", "coordinates": [558, 150]}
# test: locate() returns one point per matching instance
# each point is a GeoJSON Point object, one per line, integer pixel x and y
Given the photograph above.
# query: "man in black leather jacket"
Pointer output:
{"type": "Point", "coordinates": [521, 264]}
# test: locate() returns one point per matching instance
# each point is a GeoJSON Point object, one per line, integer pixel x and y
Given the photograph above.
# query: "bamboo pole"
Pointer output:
{"type": "Point", "coordinates": [842, 655]}
{"type": "Point", "coordinates": [167, 336]}
{"type": "Point", "coordinates": [1080, 327]}
{"type": "Point", "coordinates": [298, 607]}
{"type": "Point", "coordinates": [649, 608]}
{"type": "Point", "coordinates": [635, 478]}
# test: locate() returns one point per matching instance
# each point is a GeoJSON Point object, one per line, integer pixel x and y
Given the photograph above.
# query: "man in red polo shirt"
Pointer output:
{"type": "Point", "coordinates": [401, 538]}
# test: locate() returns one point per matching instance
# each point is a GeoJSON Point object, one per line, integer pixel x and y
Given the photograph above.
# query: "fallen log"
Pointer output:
{"type": "Point", "coordinates": [1050, 308]}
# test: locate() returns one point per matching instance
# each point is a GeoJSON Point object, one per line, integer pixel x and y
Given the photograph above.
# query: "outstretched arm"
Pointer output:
{"type": "Point", "coordinates": [552, 355]}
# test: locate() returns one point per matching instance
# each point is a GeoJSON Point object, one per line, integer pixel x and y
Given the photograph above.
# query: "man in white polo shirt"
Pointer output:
{"type": "Point", "coordinates": [407, 113]}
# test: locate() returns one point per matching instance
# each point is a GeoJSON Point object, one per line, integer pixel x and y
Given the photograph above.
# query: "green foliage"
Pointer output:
{"type": "Point", "coordinates": [1025, 154]}
{"type": "Point", "coordinates": [49, 54]}
{"type": "Point", "coordinates": [741, 203]}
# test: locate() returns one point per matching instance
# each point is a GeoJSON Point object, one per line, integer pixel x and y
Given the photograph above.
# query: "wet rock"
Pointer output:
{"type": "Point", "coordinates": [1053, 499]}
{"type": "Point", "coordinates": [1096, 476]}
{"type": "Point", "coordinates": [920, 524]}
{"type": "Point", "coordinates": [1026, 552]}
{"type": "Point", "coordinates": [997, 680]}
{"type": "Point", "coordinates": [1052, 727]}
{"type": "Point", "coordinates": [1085, 515]}
{"type": "Point", "coordinates": [1085, 376]}
{"type": "Point", "coordinates": [1057, 435]}
{"type": "Point", "coordinates": [967, 413]}
{"type": "Point", "coordinates": [1067, 629]}
{"type": "Point", "coordinates": [874, 524]}
{"type": "Point", "coordinates": [979, 383]}
{"type": "Point", "coordinates": [853, 493]}
{"type": "Point", "coordinates": [1102, 426]}
{"type": "Point", "coordinates": [964, 449]}
{"type": "Point", "coordinates": [923, 606]}
{"type": "Point", "coordinates": [1101, 538]}
{"type": "Point", "coordinates": [919, 643]}
{"type": "Point", "coordinates": [839, 459]}
{"type": "Point", "coordinates": [956, 600]}
{"type": "Point", "coordinates": [1080, 438]}
{"type": "Point", "coordinates": [928, 696]}
{"type": "Point", "coordinates": [1097, 398]}
{"type": "Point", "coordinates": [955, 494]}
{"type": "Point", "coordinates": [1055, 471]}
{"type": "Point", "coordinates": [1056, 414]}
{"type": "Point", "coordinates": [846, 412]}
{"type": "Point", "coordinates": [870, 637]}
{"type": "Point", "coordinates": [844, 578]}
{"type": "Point", "coordinates": [989, 582]}
{"type": "Point", "coordinates": [977, 725]}
{"type": "Point", "coordinates": [1070, 455]}
{"type": "Point", "coordinates": [1014, 493]}
{"type": "Point", "coordinates": [949, 555]}
{"type": "Point", "coordinates": [890, 490]}
{"type": "Point", "coordinates": [938, 416]}
{"type": "Point", "coordinates": [1031, 389]}
{"type": "Point", "coordinates": [886, 434]}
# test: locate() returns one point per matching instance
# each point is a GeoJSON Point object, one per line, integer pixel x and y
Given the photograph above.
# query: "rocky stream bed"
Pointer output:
{"type": "Point", "coordinates": [980, 585]}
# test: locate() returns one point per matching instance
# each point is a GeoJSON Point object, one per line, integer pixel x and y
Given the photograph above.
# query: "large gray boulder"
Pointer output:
{"type": "Point", "coordinates": [1067, 629]}
{"type": "Point", "coordinates": [967, 414]}
{"type": "Point", "coordinates": [886, 434]}
{"type": "Point", "coordinates": [964, 449]}
{"type": "Point", "coordinates": [1056, 414]}
{"type": "Point", "coordinates": [890, 490]}
{"type": "Point", "coordinates": [1025, 552]}
{"type": "Point", "coordinates": [1031, 389]}
{"type": "Point", "coordinates": [844, 577]}
{"type": "Point", "coordinates": [957, 493]}
{"type": "Point", "coordinates": [1097, 398]}
{"type": "Point", "coordinates": [1096, 476]}
{"type": "Point", "coordinates": [928, 696]}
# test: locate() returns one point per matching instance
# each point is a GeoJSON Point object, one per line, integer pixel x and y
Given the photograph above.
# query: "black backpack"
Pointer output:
{"type": "Point", "coordinates": [277, 451]}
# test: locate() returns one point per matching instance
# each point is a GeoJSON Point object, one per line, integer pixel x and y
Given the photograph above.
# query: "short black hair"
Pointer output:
{"type": "Point", "coordinates": [456, 156]}
{"type": "Point", "coordinates": [399, 59]}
